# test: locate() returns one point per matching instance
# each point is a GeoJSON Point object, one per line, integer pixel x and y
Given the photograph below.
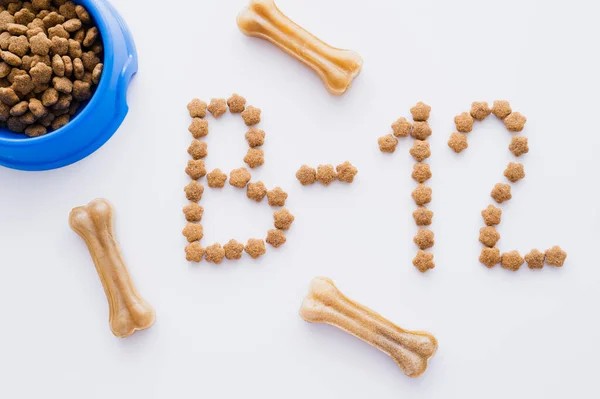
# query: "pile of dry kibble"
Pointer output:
{"type": "Point", "coordinates": [51, 55]}
{"type": "Point", "coordinates": [239, 178]}
{"type": "Point", "coordinates": [326, 174]}
{"type": "Point", "coordinates": [420, 151]}
{"type": "Point", "coordinates": [489, 236]}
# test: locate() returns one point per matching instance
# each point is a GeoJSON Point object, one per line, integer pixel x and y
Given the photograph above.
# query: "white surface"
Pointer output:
{"type": "Point", "coordinates": [233, 331]}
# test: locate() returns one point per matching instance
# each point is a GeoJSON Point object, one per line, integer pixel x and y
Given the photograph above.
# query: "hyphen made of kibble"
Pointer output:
{"type": "Point", "coordinates": [51, 61]}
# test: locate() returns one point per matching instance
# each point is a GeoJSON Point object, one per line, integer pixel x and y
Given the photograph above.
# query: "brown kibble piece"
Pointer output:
{"type": "Point", "coordinates": [515, 122]}
{"type": "Point", "coordinates": [421, 172]}
{"type": "Point", "coordinates": [239, 177]}
{"type": "Point", "coordinates": [401, 127]}
{"type": "Point", "coordinates": [73, 25]}
{"type": "Point", "coordinates": [255, 137]}
{"type": "Point", "coordinates": [37, 108]}
{"type": "Point", "coordinates": [19, 109]}
{"type": "Point", "coordinates": [480, 110]}
{"type": "Point", "coordinates": [18, 45]}
{"type": "Point", "coordinates": [82, 91]}
{"type": "Point", "coordinates": [236, 103]}
{"type": "Point", "coordinates": [41, 73]}
{"type": "Point", "coordinates": [387, 143]}
{"type": "Point", "coordinates": [15, 125]}
{"type": "Point", "coordinates": [283, 219]}
{"type": "Point", "coordinates": [194, 252]}
{"type": "Point", "coordinates": [326, 174]}
{"type": "Point", "coordinates": [519, 145]}
{"type": "Point", "coordinates": [214, 254]}
{"type": "Point", "coordinates": [198, 128]}
{"type": "Point", "coordinates": [458, 142]}
{"type": "Point", "coordinates": [501, 193]}
{"type": "Point", "coordinates": [5, 69]}
{"type": "Point", "coordinates": [55, 31]}
{"type": "Point", "coordinates": [91, 36]}
{"type": "Point", "coordinates": [535, 259]}
{"type": "Point", "coordinates": [421, 130]}
{"type": "Point", "coordinates": [50, 97]}
{"type": "Point", "coordinates": [514, 172]}
{"type": "Point", "coordinates": [60, 121]}
{"type": "Point", "coordinates": [58, 65]}
{"type": "Point", "coordinates": [420, 112]}
{"type": "Point", "coordinates": [5, 19]}
{"type": "Point", "coordinates": [424, 239]}
{"type": "Point", "coordinates": [193, 212]}
{"type": "Point", "coordinates": [11, 59]}
{"type": "Point", "coordinates": [83, 14]}
{"type": "Point", "coordinates": [422, 194]}
{"type": "Point", "coordinates": [488, 236]}
{"type": "Point", "coordinates": [555, 256]}
{"type": "Point", "coordinates": [464, 122]}
{"type": "Point", "coordinates": [346, 172]}
{"type": "Point", "coordinates": [490, 257]}
{"type": "Point", "coordinates": [501, 109]}
{"type": "Point", "coordinates": [35, 130]}
{"type": "Point", "coordinates": [23, 84]}
{"type": "Point", "coordinates": [41, 4]}
{"type": "Point", "coordinates": [420, 150]}
{"type": "Point", "coordinates": [198, 149]}
{"type": "Point", "coordinates": [8, 96]}
{"type": "Point", "coordinates": [195, 169]}
{"type": "Point", "coordinates": [74, 49]}
{"type": "Point", "coordinates": [40, 44]}
{"type": "Point", "coordinates": [255, 248]}
{"type": "Point", "coordinates": [233, 250]}
{"type": "Point", "coordinates": [68, 10]}
{"type": "Point", "coordinates": [216, 179]}
{"type": "Point", "coordinates": [60, 46]}
{"type": "Point", "coordinates": [97, 73]}
{"type": "Point", "coordinates": [194, 191]}
{"type": "Point", "coordinates": [256, 191]}
{"type": "Point", "coordinates": [255, 157]}
{"type": "Point", "coordinates": [251, 115]}
{"type": "Point", "coordinates": [423, 216]}
{"type": "Point", "coordinates": [217, 107]}
{"type": "Point", "coordinates": [24, 16]}
{"type": "Point", "coordinates": [423, 261]}
{"type": "Point", "coordinates": [277, 197]}
{"type": "Point", "coordinates": [90, 60]}
{"type": "Point", "coordinates": [276, 238]}
{"type": "Point", "coordinates": [193, 232]}
{"type": "Point", "coordinates": [62, 85]}
{"type": "Point", "coordinates": [306, 175]}
{"type": "Point", "coordinates": [492, 215]}
{"type": "Point", "coordinates": [512, 260]}
{"type": "Point", "coordinates": [53, 19]}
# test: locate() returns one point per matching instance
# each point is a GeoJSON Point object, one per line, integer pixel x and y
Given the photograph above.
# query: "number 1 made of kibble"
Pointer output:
{"type": "Point", "coordinates": [239, 178]}
{"type": "Point", "coordinates": [420, 130]}
{"type": "Point", "coordinates": [492, 215]}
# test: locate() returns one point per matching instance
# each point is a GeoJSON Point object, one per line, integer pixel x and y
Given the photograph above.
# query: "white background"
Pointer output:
{"type": "Point", "coordinates": [233, 331]}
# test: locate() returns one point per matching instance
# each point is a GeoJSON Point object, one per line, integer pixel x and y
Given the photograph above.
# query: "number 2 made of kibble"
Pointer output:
{"type": "Point", "coordinates": [239, 178]}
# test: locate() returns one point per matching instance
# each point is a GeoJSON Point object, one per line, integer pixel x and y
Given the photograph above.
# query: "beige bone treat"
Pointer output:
{"type": "Point", "coordinates": [128, 311]}
{"type": "Point", "coordinates": [326, 304]}
{"type": "Point", "coordinates": [337, 68]}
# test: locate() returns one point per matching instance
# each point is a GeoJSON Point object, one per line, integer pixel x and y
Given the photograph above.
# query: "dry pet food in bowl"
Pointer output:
{"type": "Point", "coordinates": [64, 72]}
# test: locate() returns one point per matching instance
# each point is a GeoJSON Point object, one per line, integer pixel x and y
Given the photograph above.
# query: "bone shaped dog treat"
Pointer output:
{"type": "Point", "coordinates": [326, 304]}
{"type": "Point", "coordinates": [337, 68]}
{"type": "Point", "coordinates": [128, 311]}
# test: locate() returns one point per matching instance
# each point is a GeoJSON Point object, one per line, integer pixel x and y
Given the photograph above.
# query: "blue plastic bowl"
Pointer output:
{"type": "Point", "coordinates": [98, 120]}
